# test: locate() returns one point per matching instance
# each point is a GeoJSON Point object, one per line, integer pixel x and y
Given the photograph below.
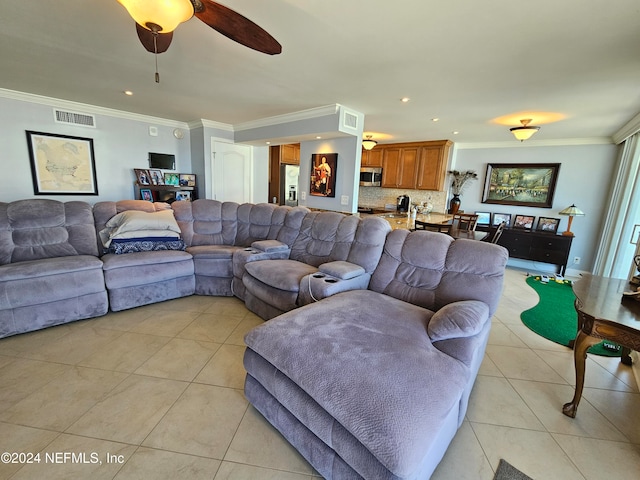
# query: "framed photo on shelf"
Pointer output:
{"type": "Point", "coordinates": [522, 184]}
{"type": "Point", "coordinates": [187, 180]}
{"type": "Point", "coordinates": [142, 176]}
{"type": "Point", "coordinates": [549, 225]}
{"type": "Point", "coordinates": [484, 218]}
{"type": "Point", "coordinates": [184, 196]}
{"type": "Point", "coordinates": [146, 194]}
{"type": "Point", "coordinates": [61, 164]}
{"type": "Point", "coordinates": [524, 221]}
{"type": "Point", "coordinates": [171, 179]}
{"type": "Point", "coordinates": [157, 178]}
{"type": "Point", "coordinates": [498, 218]}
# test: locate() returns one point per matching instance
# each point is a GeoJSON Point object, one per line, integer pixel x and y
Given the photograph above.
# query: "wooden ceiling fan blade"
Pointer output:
{"type": "Point", "coordinates": [236, 27]}
{"type": "Point", "coordinates": [162, 40]}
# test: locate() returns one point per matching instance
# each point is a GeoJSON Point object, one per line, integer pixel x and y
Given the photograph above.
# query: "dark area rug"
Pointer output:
{"type": "Point", "coordinates": [507, 471]}
{"type": "Point", "coordinates": [555, 317]}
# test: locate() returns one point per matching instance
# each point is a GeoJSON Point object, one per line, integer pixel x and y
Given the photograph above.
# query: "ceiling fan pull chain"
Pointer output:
{"type": "Point", "coordinates": [155, 52]}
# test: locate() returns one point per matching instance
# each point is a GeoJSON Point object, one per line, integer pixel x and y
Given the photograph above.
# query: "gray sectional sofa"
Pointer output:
{"type": "Point", "coordinates": [374, 337]}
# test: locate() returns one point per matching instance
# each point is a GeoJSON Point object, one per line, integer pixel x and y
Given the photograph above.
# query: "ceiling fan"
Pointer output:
{"type": "Point", "coordinates": [157, 19]}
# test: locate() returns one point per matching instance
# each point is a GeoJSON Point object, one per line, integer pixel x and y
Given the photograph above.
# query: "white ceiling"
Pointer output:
{"type": "Point", "coordinates": [466, 62]}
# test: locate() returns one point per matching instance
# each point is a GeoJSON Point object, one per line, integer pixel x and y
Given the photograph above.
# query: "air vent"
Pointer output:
{"type": "Point", "coordinates": [350, 120]}
{"type": "Point", "coordinates": [73, 118]}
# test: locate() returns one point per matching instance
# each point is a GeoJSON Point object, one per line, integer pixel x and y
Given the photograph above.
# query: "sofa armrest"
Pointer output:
{"type": "Point", "coordinates": [342, 270]}
{"type": "Point", "coordinates": [247, 255]}
{"type": "Point", "coordinates": [317, 286]}
{"type": "Point", "coordinates": [270, 246]}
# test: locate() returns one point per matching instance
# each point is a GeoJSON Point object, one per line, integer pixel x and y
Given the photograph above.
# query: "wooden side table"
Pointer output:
{"type": "Point", "coordinates": [602, 315]}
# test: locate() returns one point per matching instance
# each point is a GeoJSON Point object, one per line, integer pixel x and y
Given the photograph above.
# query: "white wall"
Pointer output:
{"type": "Point", "coordinates": [120, 145]}
{"type": "Point", "coordinates": [585, 175]}
{"type": "Point", "coordinates": [347, 182]}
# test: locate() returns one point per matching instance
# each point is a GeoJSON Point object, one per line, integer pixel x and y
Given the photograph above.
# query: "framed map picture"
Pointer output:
{"type": "Point", "coordinates": [62, 165]}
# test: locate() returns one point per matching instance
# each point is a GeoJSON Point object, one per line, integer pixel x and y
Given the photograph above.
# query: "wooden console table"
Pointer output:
{"type": "Point", "coordinates": [537, 246]}
{"type": "Point", "coordinates": [602, 315]}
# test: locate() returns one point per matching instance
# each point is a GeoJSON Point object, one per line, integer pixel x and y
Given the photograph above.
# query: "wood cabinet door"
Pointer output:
{"type": "Point", "coordinates": [290, 154]}
{"type": "Point", "coordinates": [408, 167]}
{"type": "Point", "coordinates": [430, 169]}
{"type": "Point", "coordinates": [391, 167]}
{"type": "Point", "coordinates": [375, 157]}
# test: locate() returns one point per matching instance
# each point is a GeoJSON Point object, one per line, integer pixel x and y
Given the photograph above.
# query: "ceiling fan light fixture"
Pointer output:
{"type": "Point", "coordinates": [368, 144]}
{"type": "Point", "coordinates": [159, 15]}
{"type": "Point", "coordinates": [525, 132]}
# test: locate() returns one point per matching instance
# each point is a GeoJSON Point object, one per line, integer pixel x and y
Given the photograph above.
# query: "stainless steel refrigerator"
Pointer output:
{"type": "Point", "coordinates": [289, 175]}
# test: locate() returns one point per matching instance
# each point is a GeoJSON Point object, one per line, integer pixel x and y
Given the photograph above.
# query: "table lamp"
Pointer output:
{"type": "Point", "coordinates": [572, 211]}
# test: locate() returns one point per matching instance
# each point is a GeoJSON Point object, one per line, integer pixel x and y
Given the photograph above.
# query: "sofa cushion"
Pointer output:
{"type": "Point", "coordinates": [367, 360]}
{"type": "Point", "coordinates": [280, 274]}
{"type": "Point", "coordinates": [38, 228]}
{"type": "Point", "coordinates": [458, 319]}
{"type": "Point", "coordinates": [140, 268]}
{"type": "Point", "coordinates": [48, 280]}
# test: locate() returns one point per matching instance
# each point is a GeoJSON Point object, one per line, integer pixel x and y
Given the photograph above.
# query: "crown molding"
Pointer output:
{"type": "Point", "coordinates": [211, 124]}
{"type": "Point", "coordinates": [630, 128]}
{"type": "Point", "coordinates": [86, 108]}
{"type": "Point", "coordinates": [537, 143]}
{"type": "Point", "coordinates": [289, 117]}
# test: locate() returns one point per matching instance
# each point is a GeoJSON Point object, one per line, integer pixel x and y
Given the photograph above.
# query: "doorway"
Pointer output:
{"type": "Point", "coordinates": [232, 172]}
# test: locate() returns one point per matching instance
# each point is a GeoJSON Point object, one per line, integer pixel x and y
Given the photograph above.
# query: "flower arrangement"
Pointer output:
{"type": "Point", "coordinates": [460, 179]}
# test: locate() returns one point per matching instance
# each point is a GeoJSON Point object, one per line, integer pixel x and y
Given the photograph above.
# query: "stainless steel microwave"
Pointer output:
{"type": "Point", "coordinates": [370, 176]}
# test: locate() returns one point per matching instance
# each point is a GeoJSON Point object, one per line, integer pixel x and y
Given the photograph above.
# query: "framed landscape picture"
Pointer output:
{"type": "Point", "coordinates": [61, 164]}
{"type": "Point", "coordinates": [522, 184]}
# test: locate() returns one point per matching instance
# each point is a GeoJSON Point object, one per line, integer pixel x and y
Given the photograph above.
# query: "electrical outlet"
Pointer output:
{"type": "Point", "coordinates": [344, 200]}
{"type": "Point", "coordinates": [303, 195]}
{"type": "Point", "coordinates": [576, 260]}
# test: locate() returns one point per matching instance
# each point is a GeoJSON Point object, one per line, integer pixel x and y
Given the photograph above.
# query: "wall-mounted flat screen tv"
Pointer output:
{"type": "Point", "coordinates": [164, 161]}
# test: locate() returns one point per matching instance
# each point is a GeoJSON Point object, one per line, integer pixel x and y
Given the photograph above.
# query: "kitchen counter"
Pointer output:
{"type": "Point", "coordinates": [404, 221]}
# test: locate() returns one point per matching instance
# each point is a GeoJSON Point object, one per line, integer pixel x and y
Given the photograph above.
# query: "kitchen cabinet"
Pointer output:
{"type": "Point", "coordinates": [399, 167]}
{"type": "Point", "coordinates": [372, 158]}
{"type": "Point", "coordinates": [415, 165]}
{"type": "Point", "coordinates": [432, 166]}
{"type": "Point", "coordinates": [290, 154]}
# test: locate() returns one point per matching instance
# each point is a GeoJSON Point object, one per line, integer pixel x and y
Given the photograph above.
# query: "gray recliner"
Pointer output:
{"type": "Point", "coordinates": [49, 269]}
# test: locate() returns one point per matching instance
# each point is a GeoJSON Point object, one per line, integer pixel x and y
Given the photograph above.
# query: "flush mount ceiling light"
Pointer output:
{"type": "Point", "coordinates": [368, 144]}
{"type": "Point", "coordinates": [525, 132]}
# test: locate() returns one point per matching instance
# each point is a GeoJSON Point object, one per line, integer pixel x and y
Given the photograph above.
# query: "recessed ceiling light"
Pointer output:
{"type": "Point", "coordinates": [318, 137]}
{"type": "Point", "coordinates": [455, 132]}
{"type": "Point", "coordinates": [128, 92]}
{"type": "Point", "coordinates": [435, 119]}
{"type": "Point", "coordinates": [405, 99]}
{"type": "Point", "coordinates": [268, 143]}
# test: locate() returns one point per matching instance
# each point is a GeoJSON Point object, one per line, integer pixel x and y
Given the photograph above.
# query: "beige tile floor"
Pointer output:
{"type": "Point", "coordinates": [156, 392]}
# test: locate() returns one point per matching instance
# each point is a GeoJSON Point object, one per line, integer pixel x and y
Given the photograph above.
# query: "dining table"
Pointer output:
{"type": "Point", "coordinates": [404, 221]}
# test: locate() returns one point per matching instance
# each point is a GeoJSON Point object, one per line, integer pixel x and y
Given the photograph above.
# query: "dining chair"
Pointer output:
{"type": "Point", "coordinates": [498, 233]}
{"type": "Point", "coordinates": [433, 227]}
{"type": "Point", "coordinates": [465, 222]}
